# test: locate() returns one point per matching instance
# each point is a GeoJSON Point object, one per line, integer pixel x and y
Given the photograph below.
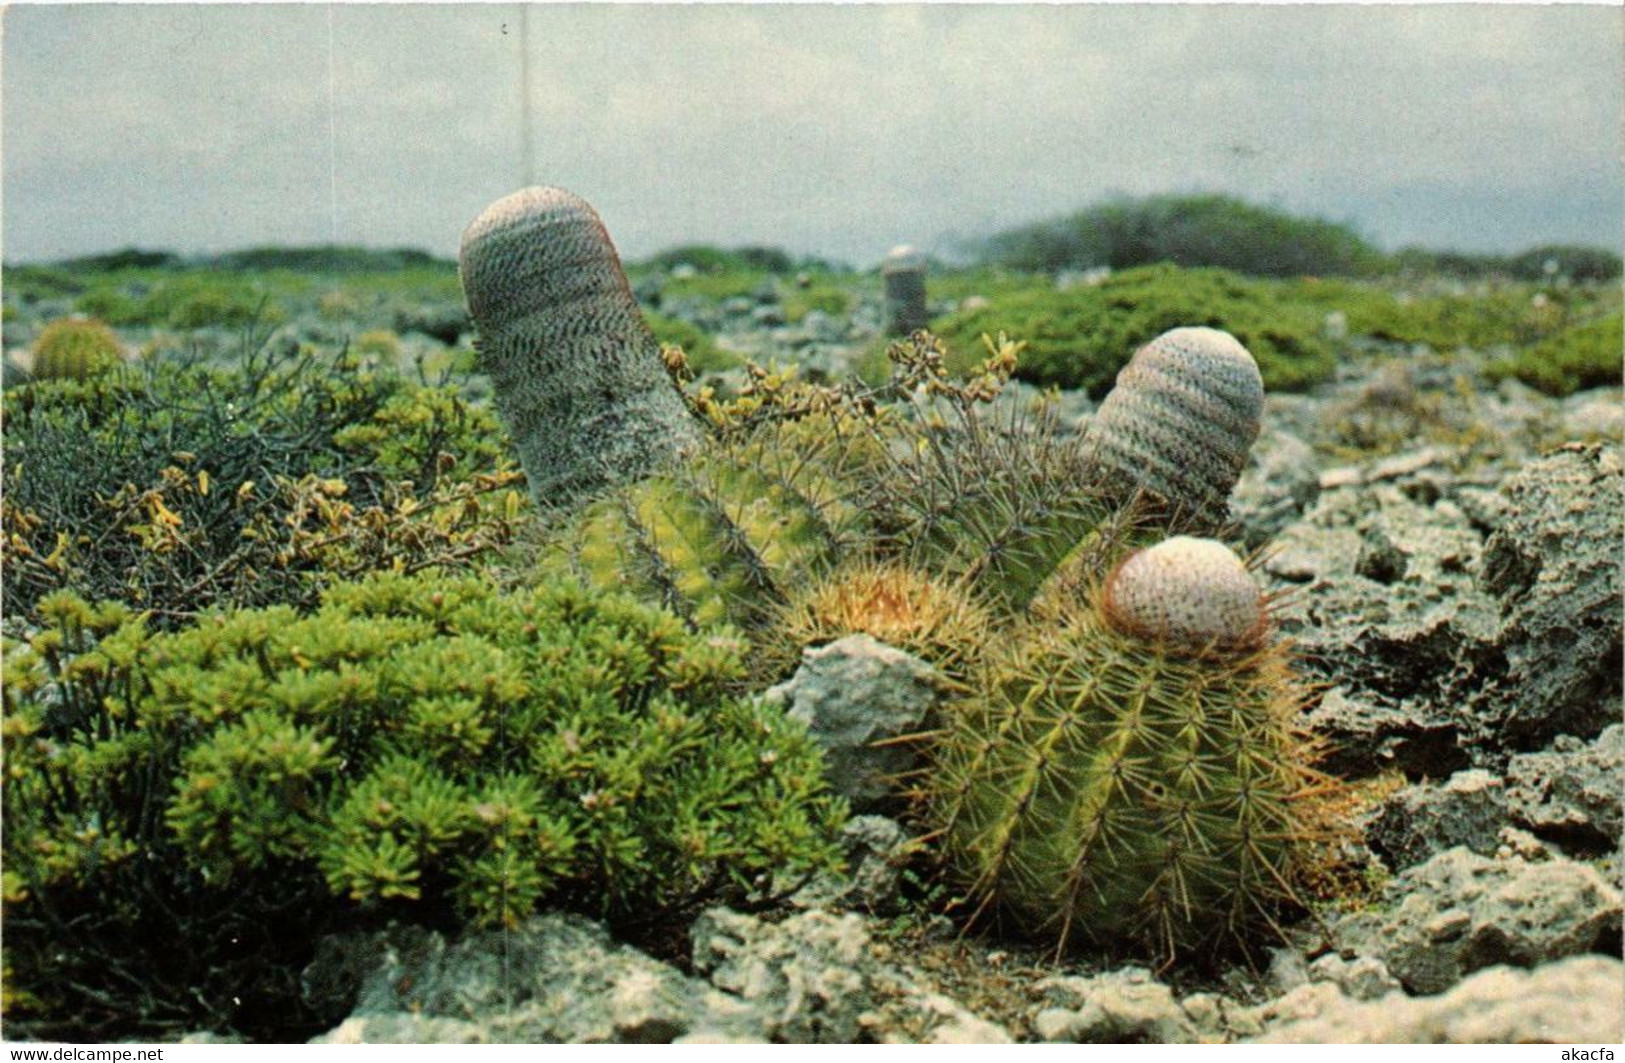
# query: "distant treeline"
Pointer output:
{"type": "Point", "coordinates": [1190, 230]}
{"type": "Point", "coordinates": [319, 259]}
{"type": "Point", "coordinates": [708, 258]}
{"type": "Point", "coordinates": [1214, 230]}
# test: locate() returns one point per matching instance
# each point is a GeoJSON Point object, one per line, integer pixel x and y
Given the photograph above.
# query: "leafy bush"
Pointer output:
{"type": "Point", "coordinates": [420, 747]}
{"type": "Point", "coordinates": [1584, 356]}
{"type": "Point", "coordinates": [1083, 336]}
{"type": "Point", "coordinates": [182, 300]}
{"type": "Point", "coordinates": [178, 486]}
{"type": "Point", "coordinates": [1187, 231]}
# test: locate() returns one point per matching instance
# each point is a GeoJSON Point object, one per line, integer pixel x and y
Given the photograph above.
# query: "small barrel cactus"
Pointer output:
{"type": "Point", "coordinates": [577, 374]}
{"type": "Point", "coordinates": [75, 348]}
{"type": "Point", "coordinates": [1115, 789]}
{"type": "Point", "coordinates": [903, 271]}
{"type": "Point", "coordinates": [1181, 421]}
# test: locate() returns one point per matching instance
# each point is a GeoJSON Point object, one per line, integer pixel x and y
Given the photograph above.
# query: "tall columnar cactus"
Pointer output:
{"type": "Point", "coordinates": [903, 271]}
{"type": "Point", "coordinates": [75, 348]}
{"type": "Point", "coordinates": [577, 374]}
{"type": "Point", "coordinates": [1131, 776]}
{"type": "Point", "coordinates": [1180, 421]}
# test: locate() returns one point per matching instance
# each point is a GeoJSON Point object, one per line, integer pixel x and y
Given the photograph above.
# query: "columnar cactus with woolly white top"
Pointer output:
{"type": "Point", "coordinates": [1180, 422]}
{"type": "Point", "coordinates": [576, 372]}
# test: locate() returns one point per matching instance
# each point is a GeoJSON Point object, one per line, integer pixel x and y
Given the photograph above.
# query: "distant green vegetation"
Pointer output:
{"type": "Point", "coordinates": [1482, 317]}
{"type": "Point", "coordinates": [1549, 261]}
{"type": "Point", "coordinates": [1081, 337]}
{"type": "Point", "coordinates": [1584, 356]}
{"type": "Point", "coordinates": [1206, 230]}
{"type": "Point", "coordinates": [704, 356]}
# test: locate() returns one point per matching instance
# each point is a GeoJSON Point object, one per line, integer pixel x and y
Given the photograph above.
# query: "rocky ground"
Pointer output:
{"type": "Point", "coordinates": [1447, 554]}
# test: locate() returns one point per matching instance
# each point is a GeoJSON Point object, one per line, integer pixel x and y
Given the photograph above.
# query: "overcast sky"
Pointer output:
{"type": "Point", "coordinates": [833, 130]}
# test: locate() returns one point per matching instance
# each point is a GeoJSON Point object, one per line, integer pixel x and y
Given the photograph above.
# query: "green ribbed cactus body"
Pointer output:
{"type": "Point", "coordinates": [577, 375]}
{"type": "Point", "coordinates": [1007, 507]}
{"type": "Point", "coordinates": [903, 274]}
{"type": "Point", "coordinates": [729, 535]}
{"type": "Point", "coordinates": [1181, 421]}
{"type": "Point", "coordinates": [75, 348]}
{"type": "Point", "coordinates": [1125, 791]}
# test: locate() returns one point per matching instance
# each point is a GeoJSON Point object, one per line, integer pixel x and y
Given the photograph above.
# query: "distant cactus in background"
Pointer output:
{"type": "Point", "coordinates": [1112, 789]}
{"type": "Point", "coordinates": [577, 374]}
{"type": "Point", "coordinates": [1181, 421]}
{"type": "Point", "coordinates": [904, 274]}
{"type": "Point", "coordinates": [75, 348]}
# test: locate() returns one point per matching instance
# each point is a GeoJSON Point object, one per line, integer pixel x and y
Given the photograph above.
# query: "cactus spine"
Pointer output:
{"type": "Point", "coordinates": [577, 374]}
{"type": "Point", "coordinates": [1180, 422]}
{"type": "Point", "coordinates": [1123, 790]}
{"type": "Point", "coordinates": [903, 272]}
{"type": "Point", "coordinates": [75, 348]}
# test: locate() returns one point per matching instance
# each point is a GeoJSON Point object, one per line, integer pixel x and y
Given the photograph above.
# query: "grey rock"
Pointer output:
{"type": "Point", "coordinates": [1280, 480]}
{"type": "Point", "coordinates": [1554, 566]}
{"type": "Point", "coordinates": [1460, 912]}
{"type": "Point", "coordinates": [875, 850]}
{"type": "Point", "coordinates": [816, 977]}
{"type": "Point", "coordinates": [1572, 791]}
{"type": "Point", "coordinates": [768, 315]}
{"type": "Point", "coordinates": [1577, 1000]}
{"type": "Point", "coordinates": [1362, 978]}
{"type": "Point", "coordinates": [1366, 734]}
{"type": "Point", "coordinates": [1122, 1006]}
{"type": "Point", "coordinates": [1597, 415]}
{"type": "Point", "coordinates": [854, 694]}
{"type": "Point", "coordinates": [558, 978]}
{"type": "Point", "coordinates": [1420, 821]}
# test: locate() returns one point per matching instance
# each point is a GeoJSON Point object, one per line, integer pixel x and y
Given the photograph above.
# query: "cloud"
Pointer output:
{"type": "Point", "coordinates": [839, 129]}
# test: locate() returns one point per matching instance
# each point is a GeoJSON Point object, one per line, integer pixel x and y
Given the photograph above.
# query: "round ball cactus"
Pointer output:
{"type": "Point", "coordinates": [903, 271]}
{"type": "Point", "coordinates": [1187, 594]}
{"type": "Point", "coordinates": [1104, 788]}
{"type": "Point", "coordinates": [1180, 422]}
{"type": "Point", "coordinates": [75, 348]}
{"type": "Point", "coordinates": [577, 375]}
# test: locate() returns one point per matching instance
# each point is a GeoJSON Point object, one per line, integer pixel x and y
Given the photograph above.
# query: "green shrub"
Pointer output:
{"type": "Point", "coordinates": [112, 306]}
{"type": "Point", "coordinates": [178, 486]}
{"type": "Point", "coordinates": [703, 355]}
{"type": "Point", "coordinates": [426, 748]}
{"type": "Point", "coordinates": [1083, 336]}
{"type": "Point", "coordinates": [1584, 356]}
{"type": "Point", "coordinates": [1186, 231]}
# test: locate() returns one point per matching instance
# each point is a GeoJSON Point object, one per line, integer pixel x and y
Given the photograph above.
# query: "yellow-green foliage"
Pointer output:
{"type": "Point", "coordinates": [380, 344]}
{"type": "Point", "coordinates": [1584, 356]}
{"type": "Point", "coordinates": [419, 746]}
{"type": "Point", "coordinates": [75, 349]}
{"type": "Point", "coordinates": [1081, 337]}
{"type": "Point", "coordinates": [1103, 790]}
{"type": "Point", "coordinates": [178, 487]}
